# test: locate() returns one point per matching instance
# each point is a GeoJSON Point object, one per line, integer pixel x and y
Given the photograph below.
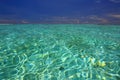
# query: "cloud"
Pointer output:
{"type": "Point", "coordinates": [7, 21]}
{"type": "Point", "coordinates": [62, 19]}
{"type": "Point", "coordinates": [115, 1]}
{"type": "Point", "coordinates": [115, 16]}
{"type": "Point", "coordinates": [23, 21]}
{"type": "Point", "coordinates": [12, 21]}
{"type": "Point", "coordinates": [98, 19]}
{"type": "Point", "coordinates": [91, 19]}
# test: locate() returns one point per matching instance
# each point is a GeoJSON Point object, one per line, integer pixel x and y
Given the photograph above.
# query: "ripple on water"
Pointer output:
{"type": "Point", "coordinates": [59, 53]}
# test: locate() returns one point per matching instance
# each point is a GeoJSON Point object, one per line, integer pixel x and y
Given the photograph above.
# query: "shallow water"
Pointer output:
{"type": "Point", "coordinates": [59, 52]}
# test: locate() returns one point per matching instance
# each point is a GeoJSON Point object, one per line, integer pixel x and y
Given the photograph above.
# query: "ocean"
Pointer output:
{"type": "Point", "coordinates": [59, 52]}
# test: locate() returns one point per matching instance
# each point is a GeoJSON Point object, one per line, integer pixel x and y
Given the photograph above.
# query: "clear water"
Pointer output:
{"type": "Point", "coordinates": [59, 52]}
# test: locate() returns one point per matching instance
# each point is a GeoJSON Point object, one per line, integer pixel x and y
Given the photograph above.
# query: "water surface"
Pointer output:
{"type": "Point", "coordinates": [59, 52]}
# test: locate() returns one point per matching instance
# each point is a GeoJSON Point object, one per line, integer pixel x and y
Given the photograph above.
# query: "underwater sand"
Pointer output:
{"type": "Point", "coordinates": [59, 52]}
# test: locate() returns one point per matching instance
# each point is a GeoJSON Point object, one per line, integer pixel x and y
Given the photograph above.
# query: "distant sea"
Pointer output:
{"type": "Point", "coordinates": [59, 52]}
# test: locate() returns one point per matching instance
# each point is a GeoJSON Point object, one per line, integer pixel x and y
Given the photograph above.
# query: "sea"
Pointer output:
{"type": "Point", "coordinates": [59, 52]}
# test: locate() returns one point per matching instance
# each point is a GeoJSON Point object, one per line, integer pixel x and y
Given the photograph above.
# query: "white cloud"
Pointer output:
{"type": "Point", "coordinates": [115, 1]}
{"type": "Point", "coordinates": [115, 15]}
{"type": "Point", "coordinates": [23, 21]}
{"type": "Point", "coordinates": [99, 19]}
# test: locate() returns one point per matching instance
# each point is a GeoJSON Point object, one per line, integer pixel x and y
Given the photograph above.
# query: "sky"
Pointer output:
{"type": "Point", "coordinates": [60, 11]}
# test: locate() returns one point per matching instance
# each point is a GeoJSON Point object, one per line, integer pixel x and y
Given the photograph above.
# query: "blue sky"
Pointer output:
{"type": "Point", "coordinates": [78, 11]}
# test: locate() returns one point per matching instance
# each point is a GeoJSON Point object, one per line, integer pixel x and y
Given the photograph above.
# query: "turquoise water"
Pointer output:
{"type": "Point", "coordinates": [59, 52]}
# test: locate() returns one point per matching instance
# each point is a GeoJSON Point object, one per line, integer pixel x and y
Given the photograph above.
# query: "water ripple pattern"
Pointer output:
{"type": "Point", "coordinates": [59, 52]}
